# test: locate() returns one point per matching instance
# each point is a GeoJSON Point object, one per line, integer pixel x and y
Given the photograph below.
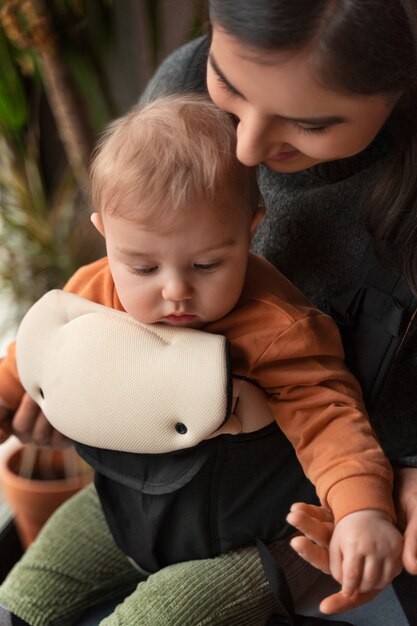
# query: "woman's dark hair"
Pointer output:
{"type": "Point", "coordinates": [366, 47]}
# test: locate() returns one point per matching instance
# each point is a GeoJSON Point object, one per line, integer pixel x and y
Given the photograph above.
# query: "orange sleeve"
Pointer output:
{"type": "Point", "coordinates": [318, 404]}
{"type": "Point", "coordinates": [94, 282]}
{"type": "Point", "coordinates": [11, 391]}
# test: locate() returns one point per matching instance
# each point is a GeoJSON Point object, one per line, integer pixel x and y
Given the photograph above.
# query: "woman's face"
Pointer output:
{"type": "Point", "coordinates": [286, 120]}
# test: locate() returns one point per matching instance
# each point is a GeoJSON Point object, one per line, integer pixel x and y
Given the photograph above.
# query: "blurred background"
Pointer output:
{"type": "Point", "coordinates": [66, 68]}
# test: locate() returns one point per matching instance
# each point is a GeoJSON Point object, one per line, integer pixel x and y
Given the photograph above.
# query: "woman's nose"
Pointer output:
{"type": "Point", "coordinates": [254, 140]}
{"type": "Point", "coordinates": [176, 290]}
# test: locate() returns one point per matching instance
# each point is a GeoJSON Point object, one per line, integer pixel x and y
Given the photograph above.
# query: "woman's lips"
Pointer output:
{"type": "Point", "coordinates": [284, 156]}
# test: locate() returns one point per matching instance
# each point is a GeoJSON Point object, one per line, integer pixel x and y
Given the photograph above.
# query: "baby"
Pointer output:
{"type": "Point", "coordinates": [178, 211]}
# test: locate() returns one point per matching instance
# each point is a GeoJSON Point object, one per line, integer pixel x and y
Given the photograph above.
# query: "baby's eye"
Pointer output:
{"type": "Point", "coordinates": [144, 271]}
{"type": "Point", "coordinates": [207, 266]}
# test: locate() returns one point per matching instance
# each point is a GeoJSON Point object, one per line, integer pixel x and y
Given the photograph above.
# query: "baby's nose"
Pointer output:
{"type": "Point", "coordinates": [176, 290]}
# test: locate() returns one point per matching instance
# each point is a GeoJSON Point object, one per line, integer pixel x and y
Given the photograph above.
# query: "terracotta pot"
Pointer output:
{"type": "Point", "coordinates": [33, 499]}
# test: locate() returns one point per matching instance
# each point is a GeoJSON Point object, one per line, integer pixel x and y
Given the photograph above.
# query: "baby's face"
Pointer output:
{"type": "Point", "coordinates": [187, 273]}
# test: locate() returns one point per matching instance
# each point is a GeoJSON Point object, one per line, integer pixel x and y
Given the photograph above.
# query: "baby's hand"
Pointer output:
{"type": "Point", "coordinates": [365, 551]}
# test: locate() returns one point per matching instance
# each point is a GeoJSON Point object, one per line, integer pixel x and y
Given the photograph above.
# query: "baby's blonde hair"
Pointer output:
{"type": "Point", "coordinates": [167, 155]}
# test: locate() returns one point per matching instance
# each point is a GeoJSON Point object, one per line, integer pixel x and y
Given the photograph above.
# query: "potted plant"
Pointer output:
{"type": "Point", "coordinates": [36, 481]}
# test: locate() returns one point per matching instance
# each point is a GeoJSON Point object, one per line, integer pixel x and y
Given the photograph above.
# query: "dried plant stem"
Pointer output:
{"type": "Point", "coordinates": [28, 25]}
{"type": "Point", "coordinates": [73, 133]}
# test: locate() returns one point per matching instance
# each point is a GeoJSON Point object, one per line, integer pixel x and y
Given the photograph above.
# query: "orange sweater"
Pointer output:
{"type": "Point", "coordinates": [293, 351]}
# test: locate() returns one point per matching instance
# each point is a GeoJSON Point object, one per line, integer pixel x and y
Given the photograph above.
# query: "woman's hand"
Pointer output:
{"type": "Point", "coordinates": [316, 524]}
{"type": "Point", "coordinates": [31, 426]}
{"type": "Point", "coordinates": [406, 501]}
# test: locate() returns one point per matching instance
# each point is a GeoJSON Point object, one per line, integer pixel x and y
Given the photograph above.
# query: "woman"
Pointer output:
{"type": "Point", "coordinates": [324, 96]}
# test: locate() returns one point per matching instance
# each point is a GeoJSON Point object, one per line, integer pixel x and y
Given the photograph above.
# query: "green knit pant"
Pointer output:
{"type": "Point", "coordinates": [75, 564]}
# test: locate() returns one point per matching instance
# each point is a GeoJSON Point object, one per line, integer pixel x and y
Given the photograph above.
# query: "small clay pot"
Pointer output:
{"type": "Point", "coordinates": [33, 499]}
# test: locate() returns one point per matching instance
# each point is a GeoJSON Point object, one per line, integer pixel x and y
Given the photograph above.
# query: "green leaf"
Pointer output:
{"type": "Point", "coordinates": [13, 105]}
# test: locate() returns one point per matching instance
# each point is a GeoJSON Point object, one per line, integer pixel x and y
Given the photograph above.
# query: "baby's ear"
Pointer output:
{"type": "Point", "coordinates": [97, 221]}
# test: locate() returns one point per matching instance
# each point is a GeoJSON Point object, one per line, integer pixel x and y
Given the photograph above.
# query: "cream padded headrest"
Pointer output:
{"type": "Point", "coordinates": [106, 380]}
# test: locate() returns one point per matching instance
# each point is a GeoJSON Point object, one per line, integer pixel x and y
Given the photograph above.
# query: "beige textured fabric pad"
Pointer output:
{"type": "Point", "coordinates": [106, 380]}
{"type": "Point", "coordinates": [250, 408]}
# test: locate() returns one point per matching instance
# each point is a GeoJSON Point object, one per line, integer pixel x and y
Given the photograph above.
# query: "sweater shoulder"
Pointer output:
{"type": "Point", "coordinates": [267, 288]}
{"type": "Point", "coordinates": [182, 69]}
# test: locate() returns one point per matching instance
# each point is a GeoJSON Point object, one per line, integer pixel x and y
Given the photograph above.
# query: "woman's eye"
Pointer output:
{"type": "Point", "coordinates": [207, 266]}
{"type": "Point", "coordinates": [228, 88]}
{"type": "Point", "coordinates": [144, 271]}
{"type": "Point", "coordinates": [313, 129]}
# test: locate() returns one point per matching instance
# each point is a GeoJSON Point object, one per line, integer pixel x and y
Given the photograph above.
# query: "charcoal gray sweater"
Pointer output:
{"type": "Point", "coordinates": [314, 234]}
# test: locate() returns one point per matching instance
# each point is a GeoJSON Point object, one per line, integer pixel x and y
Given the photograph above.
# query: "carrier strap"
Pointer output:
{"type": "Point", "coordinates": [374, 318]}
{"type": "Point", "coordinates": [279, 587]}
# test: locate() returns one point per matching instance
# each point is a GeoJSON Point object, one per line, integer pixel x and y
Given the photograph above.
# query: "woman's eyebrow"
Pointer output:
{"type": "Point", "coordinates": [223, 78]}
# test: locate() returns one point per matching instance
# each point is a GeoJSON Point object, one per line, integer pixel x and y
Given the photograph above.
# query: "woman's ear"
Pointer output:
{"type": "Point", "coordinates": [97, 221]}
{"type": "Point", "coordinates": [256, 220]}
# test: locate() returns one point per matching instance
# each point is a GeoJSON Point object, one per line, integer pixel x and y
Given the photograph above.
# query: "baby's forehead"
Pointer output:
{"type": "Point", "coordinates": [198, 225]}
{"type": "Point", "coordinates": [150, 212]}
